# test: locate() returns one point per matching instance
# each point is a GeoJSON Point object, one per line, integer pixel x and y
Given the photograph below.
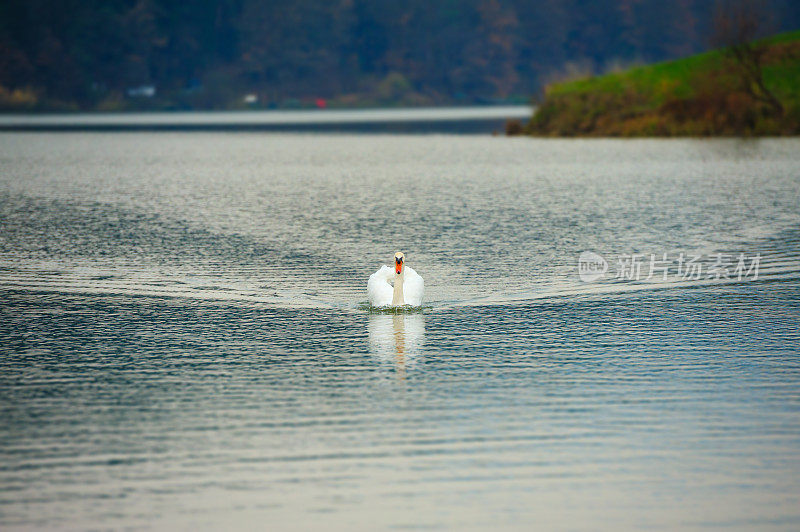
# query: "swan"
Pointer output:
{"type": "Point", "coordinates": [407, 290]}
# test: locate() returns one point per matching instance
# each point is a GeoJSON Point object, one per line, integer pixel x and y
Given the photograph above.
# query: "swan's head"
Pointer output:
{"type": "Point", "coordinates": [398, 262]}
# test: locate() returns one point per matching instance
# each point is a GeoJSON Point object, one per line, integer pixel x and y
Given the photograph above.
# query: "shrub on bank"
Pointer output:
{"type": "Point", "coordinates": [697, 96]}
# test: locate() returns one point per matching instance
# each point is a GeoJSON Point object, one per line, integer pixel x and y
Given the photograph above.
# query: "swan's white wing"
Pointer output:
{"type": "Point", "coordinates": [413, 287]}
{"type": "Point", "coordinates": [378, 288]}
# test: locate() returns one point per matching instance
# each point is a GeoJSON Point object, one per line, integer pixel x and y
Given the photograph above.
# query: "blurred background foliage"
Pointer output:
{"type": "Point", "coordinates": [223, 54]}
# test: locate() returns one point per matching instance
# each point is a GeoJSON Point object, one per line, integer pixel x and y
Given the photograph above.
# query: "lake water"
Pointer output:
{"type": "Point", "coordinates": [485, 119]}
{"type": "Point", "coordinates": [186, 341]}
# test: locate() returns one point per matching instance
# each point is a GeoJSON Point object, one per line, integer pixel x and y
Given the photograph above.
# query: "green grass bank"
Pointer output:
{"type": "Point", "coordinates": [709, 94]}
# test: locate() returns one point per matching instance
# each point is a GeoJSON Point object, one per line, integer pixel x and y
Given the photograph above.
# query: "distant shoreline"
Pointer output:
{"type": "Point", "coordinates": [699, 96]}
{"type": "Point", "coordinates": [431, 119]}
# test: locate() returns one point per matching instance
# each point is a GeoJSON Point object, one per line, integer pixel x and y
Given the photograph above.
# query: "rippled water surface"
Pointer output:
{"type": "Point", "coordinates": [186, 341]}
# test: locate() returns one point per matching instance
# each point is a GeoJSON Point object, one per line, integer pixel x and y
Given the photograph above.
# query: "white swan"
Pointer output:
{"type": "Point", "coordinates": [407, 290]}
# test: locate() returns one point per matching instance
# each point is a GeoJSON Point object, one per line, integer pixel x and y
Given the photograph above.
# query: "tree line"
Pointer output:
{"type": "Point", "coordinates": [89, 54]}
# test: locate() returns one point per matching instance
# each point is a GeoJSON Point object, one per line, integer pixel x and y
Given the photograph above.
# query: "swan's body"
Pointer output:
{"type": "Point", "coordinates": [382, 294]}
{"type": "Point", "coordinates": [408, 286]}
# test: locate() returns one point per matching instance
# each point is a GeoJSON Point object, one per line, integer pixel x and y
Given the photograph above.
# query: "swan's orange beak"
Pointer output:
{"type": "Point", "coordinates": [398, 266]}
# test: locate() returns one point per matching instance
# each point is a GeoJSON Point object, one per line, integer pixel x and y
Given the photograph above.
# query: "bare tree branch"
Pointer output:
{"type": "Point", "coordinates": [737, 25]}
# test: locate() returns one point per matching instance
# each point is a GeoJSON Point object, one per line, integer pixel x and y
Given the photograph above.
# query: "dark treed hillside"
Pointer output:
{"type": "Point", "coordinates": [121, 54]}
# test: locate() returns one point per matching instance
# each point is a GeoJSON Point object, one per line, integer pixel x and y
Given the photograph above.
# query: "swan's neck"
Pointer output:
{"type": "Point", "coordinates": [397, 296]}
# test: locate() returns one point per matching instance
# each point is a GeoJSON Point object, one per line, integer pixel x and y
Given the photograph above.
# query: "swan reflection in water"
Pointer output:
{"type": "Point", "coordinates": [398, 338]}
